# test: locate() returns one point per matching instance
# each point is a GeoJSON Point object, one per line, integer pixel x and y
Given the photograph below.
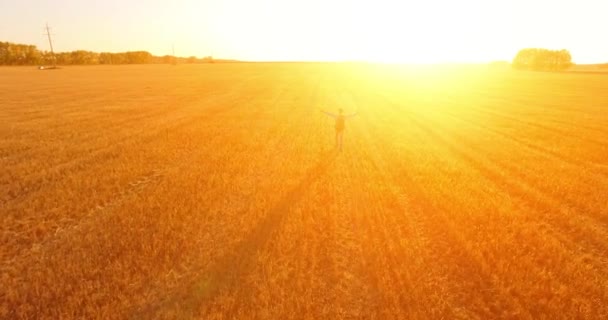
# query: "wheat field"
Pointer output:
{"type": "Point", "coordinates": [215, 192]}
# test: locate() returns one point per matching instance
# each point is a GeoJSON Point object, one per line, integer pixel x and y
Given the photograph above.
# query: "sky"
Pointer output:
{"type": "Point", "coordinates": [423, 31]}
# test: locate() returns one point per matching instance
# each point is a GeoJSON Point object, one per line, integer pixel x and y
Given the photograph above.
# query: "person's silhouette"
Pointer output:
{"type": "Point", "coordinates": [340, 125]}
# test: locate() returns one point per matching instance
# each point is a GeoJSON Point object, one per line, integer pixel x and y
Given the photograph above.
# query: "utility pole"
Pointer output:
{"type": "Point", "coordinates": [48, 34]}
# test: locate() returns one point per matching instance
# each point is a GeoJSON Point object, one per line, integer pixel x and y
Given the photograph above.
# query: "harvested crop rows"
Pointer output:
{"type": "Point", "coordinates": [215, 192]}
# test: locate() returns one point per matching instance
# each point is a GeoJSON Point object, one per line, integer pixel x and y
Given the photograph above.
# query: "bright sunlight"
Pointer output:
{"type": "Point", "coordinates": [277, 30]}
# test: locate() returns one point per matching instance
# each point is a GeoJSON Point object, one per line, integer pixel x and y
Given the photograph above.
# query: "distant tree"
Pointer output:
{"type": "Point", "coordinates": [138, 57]}
{"type": "Point", "coordinates": [46, 58]}
{"type": "Point", "coordinates": [4, 53]}
{"type": "Point", "coordinates": [18, 54]}
{"type": "Point", "coordinates": [167, 59]}
{"type": "Point", "coordinates": [542, 59]}
{"type": "Point", "coordinates": [21, 54]}
{"type": "Point", "coordinates": [32, 55]}
{"type": "Point", "coordinates": [105, 58]}
{"type": "Point", "coordinates": [84, 57]}
{"type": "Point", "coordinates": [118, 58]}
{"type": "Point", "coordinates": [63, 58]}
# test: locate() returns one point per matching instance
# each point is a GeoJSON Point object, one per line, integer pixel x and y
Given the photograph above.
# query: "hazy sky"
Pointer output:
{"type": "Point", "coordinates": [377, 30]}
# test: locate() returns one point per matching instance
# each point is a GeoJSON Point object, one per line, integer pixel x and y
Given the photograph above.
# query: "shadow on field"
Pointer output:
{"type": "Point", "coordinates": [234, 265]}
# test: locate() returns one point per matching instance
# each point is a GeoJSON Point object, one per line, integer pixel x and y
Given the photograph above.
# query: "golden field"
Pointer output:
{"type": "Point", "coordinates": [215, 192]}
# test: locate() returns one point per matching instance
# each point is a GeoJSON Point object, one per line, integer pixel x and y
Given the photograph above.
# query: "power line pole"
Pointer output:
{"type": "Point", "coordinates": [48, 34]}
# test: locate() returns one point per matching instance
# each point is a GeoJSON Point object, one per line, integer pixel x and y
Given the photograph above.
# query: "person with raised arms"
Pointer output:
{"type": "Point", "coordinates": [340, 125]}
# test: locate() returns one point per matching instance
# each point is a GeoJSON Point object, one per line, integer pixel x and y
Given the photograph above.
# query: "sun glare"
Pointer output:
{"type": "Point", "coordinates": [386, 31]}
{"type": "Point", "coordinates": [433, 31]}
{"type": "Point", "coordinates": [419, 33]}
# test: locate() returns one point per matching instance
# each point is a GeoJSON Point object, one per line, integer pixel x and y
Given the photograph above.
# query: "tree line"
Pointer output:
{"type": "Point", "coordinates": [539, 59]}
{"type": "Point", "coordinates": [13, 54]}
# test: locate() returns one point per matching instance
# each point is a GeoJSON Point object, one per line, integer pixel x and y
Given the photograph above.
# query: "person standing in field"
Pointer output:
{"type": "Point", "coordinates": [340, 125]}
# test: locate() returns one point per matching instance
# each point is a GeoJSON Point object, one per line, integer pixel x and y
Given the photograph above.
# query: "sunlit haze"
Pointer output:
{"type": "Point", "coordinates": [379, 30]}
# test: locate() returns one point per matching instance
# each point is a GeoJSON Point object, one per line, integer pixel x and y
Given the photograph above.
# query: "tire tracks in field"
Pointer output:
{"type": "Point", "coordinates": [358, 289]}
{"type": "Point", "coordinates": [438, 238]}
{"type": "Point", "coordinates": [570, 226]}
{"type": "Point", "coordinates": [97, 126]}
{"type": "Point", "coordinates": [529, 145]}
{"type": "Point", "coordinates": [81, 167]}
{"type": "Point", "coordinates": [554, 130]}
{"type": "Point", "coordinates": [531, 100]}
{"type": "Point", "coordinates": [602, 176]}
{"type": "Point", "coordinates": [521, 188]}
{"type": "Point", "coordinates": [540, 202]}
{"type": "Point", "coordinates": [59, 170]}
{"type": "Point", "coordinates": [233, 266]}
{"type": "Point", "coordinates": [89, 115]}
{"type": "Point", "coordinates": [384, 234]}
{"type": "Point", "coordinates": [133, 187]}
{"type": "Point", "coordinates": [182, 102]}
{"type": "Point", "coordinates": [565, 113]}
{"type": "Point", "coordinates": [493, 173]}
{"type": "Point", "coordinates": [514, 189]}
{"type": "Point", "coordinates": [548, 154]}
{"type": "Point", "coordinates": [540, 149]}
{"type": "Point", "coordinates": [91, 138]}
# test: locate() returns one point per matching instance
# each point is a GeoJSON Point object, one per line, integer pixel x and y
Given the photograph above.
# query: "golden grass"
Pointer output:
{"type": "Point", "coordinates": [214, 192]}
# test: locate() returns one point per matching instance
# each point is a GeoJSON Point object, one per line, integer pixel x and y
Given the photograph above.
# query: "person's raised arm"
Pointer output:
{"type": "Point", "coordinates": [329, 114]}
{"type": "Point", "coordinates": [351, 115]}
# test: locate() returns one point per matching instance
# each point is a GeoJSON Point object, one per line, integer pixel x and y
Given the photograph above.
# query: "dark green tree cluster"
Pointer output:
{"type": "Point", "coordinates": [13, 54]}
{"type": "Point", "coordinates": [542, 59]}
